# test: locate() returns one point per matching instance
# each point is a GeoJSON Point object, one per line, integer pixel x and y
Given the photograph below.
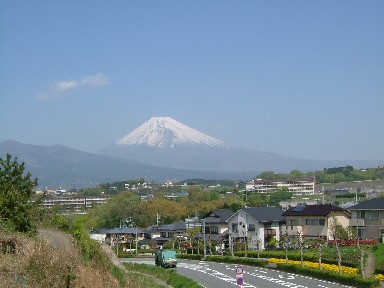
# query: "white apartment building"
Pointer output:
{"type": "Point", "coordinates": [296, 187]}
{"type": "Point", "coordinates": [74, 204]}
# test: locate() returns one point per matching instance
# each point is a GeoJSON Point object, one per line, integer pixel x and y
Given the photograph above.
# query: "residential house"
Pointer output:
{"type": "Point", "coordinates": [256, 226]}
{"type": "Point", "coordinates": [124, 235]}
{"type": "Point", "coordinates": [216, 226]}
{"type": "Point", "coordinates": [313, 221]}
{"type": "Point", "coordinates": [100, 234]}
{"type": "Point", "coordinates": [216, 221]}
{"type": "Point", "coordinates": [368, 218]}
{"type": "Point", "coordinates": [161, 234]}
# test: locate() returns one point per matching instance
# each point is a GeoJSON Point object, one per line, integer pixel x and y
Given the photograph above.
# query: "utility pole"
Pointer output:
{"type": "Point", "coordinates": [136, 239]}
{"type": "Point", "coordinates": [205, 248]}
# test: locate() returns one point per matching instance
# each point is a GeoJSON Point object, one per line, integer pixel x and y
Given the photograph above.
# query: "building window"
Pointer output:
{"type": "Point", "coordinates": [362, 233]}
{"type": "Point", "coordinates": [311, 221]}
{"type": "Point", "coordinates": [375, 215]}
{"type": "Point", "coordinates": [163, 234]}
{"type": "Point", "coordinates": [234, 227]}
{"type": "Point", "coordinates": [292, 222]}
{"type": "Point", "coordinates": [251, 227]}
{"type": "Point", "coordinates": [360, 214]}
{"type": "Point", "coordinates": [316, 222]}
{"type": "Point", "coordinates": [213, 230]}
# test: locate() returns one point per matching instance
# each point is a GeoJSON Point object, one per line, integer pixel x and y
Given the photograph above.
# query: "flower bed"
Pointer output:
{"type": "Point", "coordinates": [355, 280]}
{"type": "Point", "coordinates": [325, 266]}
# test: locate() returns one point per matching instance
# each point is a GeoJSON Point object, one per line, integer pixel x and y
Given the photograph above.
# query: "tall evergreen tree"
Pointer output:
{"type": "Point", "coordinates": [15, 194]}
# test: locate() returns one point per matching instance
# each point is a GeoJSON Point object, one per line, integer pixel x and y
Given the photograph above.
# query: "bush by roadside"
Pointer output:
{"type": "Point", "coordinates": [190, 256]}
{"type": "Point", "coordinates": [295, 255]}
{"type": "Point", "coordinates": [355, 280]}
{"type": "Point", "coordinates": [238, 260]}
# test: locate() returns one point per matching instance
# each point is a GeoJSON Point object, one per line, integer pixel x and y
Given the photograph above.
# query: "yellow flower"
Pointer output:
{"type": "Point", "coordinates": [315, 265]}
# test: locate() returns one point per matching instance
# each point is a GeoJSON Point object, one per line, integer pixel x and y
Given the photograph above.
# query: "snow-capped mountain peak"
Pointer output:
{"type": "Point", "coordinates": [165, 132]}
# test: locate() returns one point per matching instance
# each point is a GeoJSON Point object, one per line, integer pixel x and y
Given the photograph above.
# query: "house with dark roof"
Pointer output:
{"type": "Point", "coordinates": [124, 235]}
{"type": "Point", "coordinates": [216, 221]}
{"type": "Point", "coordinates": [313, 221]}
{"type": "Point", "coordinates": [368, 219]}
{"type": "Point", "coordinates": [216, 227]}
{"type": "Point", "coordinates": [161, 234]}
{"type": "Point", "coordinates": [256, 226]}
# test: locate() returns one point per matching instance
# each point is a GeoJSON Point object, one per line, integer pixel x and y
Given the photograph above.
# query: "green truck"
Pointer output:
{"type": "Point", "coordinates": [166, 258]}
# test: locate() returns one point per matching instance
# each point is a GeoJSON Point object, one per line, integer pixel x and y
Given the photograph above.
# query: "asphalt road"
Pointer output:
{"type": "Point", "coordinates": [221, 275]}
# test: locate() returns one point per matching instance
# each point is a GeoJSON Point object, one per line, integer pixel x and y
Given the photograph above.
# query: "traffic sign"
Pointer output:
{"type": "Point", "coordinates": [240, 281]}
{"type": "Point", "coordinates": [239, 270]}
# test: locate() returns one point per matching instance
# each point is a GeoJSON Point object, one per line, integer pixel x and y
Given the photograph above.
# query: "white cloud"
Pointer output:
{"type": "Point", "coordinates": [58, 89]}
{"type": "Point", "coordinates": [95, 80]}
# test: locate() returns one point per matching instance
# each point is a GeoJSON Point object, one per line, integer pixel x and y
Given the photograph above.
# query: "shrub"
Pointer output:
{"type": "Point", "coordinates": [341, 278]}
{"type": "Point", "coordinates": [238, 260]}
{"type": "Point", "coordinates": [190, 256]}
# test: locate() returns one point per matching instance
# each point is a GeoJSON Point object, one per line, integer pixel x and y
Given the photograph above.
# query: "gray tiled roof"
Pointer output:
{"type": "Point", "coordinates": [373, 204]}
{"type": "Point", "coordinates": [265, 214]}
{"type": "Point", "coordinates": [312, 210]}
{"type": "Point", "coordinates": [175, 227]}
{"type": "Point", "coordinates": [218, 216]}
{"type": "Point", "coordinates": [124, 230]}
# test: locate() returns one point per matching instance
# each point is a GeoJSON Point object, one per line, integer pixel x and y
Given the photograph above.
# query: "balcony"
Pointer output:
{"type": "Point", "coordinates": [356, 222]}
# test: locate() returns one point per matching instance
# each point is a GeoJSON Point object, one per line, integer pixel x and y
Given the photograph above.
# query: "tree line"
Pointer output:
{"type": "Point", "coordinates": [328, 175]}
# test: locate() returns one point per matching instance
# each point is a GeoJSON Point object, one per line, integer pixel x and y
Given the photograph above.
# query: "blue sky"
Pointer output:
{"type": "Point", "coordinates": [298, 78]}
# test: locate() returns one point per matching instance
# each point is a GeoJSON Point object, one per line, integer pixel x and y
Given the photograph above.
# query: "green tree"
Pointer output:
{"type": "Point", "coordinates": [15, 194]}
{"type": "Point", "coordinates": [280, 195]}
{"type": "Point", "coordinates": [257, 200]}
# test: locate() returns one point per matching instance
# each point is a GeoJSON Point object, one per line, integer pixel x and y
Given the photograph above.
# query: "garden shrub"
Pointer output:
{"type": "Point", "coordinates": [355, 280]}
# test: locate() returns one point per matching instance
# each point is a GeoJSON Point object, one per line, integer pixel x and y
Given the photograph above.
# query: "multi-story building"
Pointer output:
{"type": "Point", "coordinates": [368, 219]}
{"type": "Point", "coordinates": [78, 204]}
{"type": "Point", "coordinates": [296, 187]}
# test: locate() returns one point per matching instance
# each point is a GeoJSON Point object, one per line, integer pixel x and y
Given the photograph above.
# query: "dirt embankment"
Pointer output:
{"type": "Point", "coordinates": [65, 243]}
{"type": "Point", "coordinates": [60, 240]}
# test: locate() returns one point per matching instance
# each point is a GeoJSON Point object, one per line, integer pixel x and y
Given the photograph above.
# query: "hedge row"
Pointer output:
{"type": "Point", "coordinates": [355, 280]}
{"type": "Point", "coordinates": [190, 256]}
{"type": "Point", "coordinates": [308, 256]}
{"type": "Point", "coordinates": [238, 260]}
{"type": "Point", "coordinates": [226, 259]}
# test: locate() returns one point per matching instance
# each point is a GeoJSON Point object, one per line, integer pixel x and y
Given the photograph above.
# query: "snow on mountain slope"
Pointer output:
{"type": "Point", "coordinates": [165, 132]}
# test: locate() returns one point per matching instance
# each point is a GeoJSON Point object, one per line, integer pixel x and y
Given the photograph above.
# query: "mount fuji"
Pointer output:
{"type": "Point", "coordinates": [165, 132]}
{"type": "Point", "coordinates": [165, 142]}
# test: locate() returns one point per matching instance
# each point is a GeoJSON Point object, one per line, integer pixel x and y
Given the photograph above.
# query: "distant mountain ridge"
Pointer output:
{"type": "Point", "coordinates": [160, 149]}
{"type": "Point", "coordinates": [163, 141]}
{"type": "Point", "coordinates": [60, 166]}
